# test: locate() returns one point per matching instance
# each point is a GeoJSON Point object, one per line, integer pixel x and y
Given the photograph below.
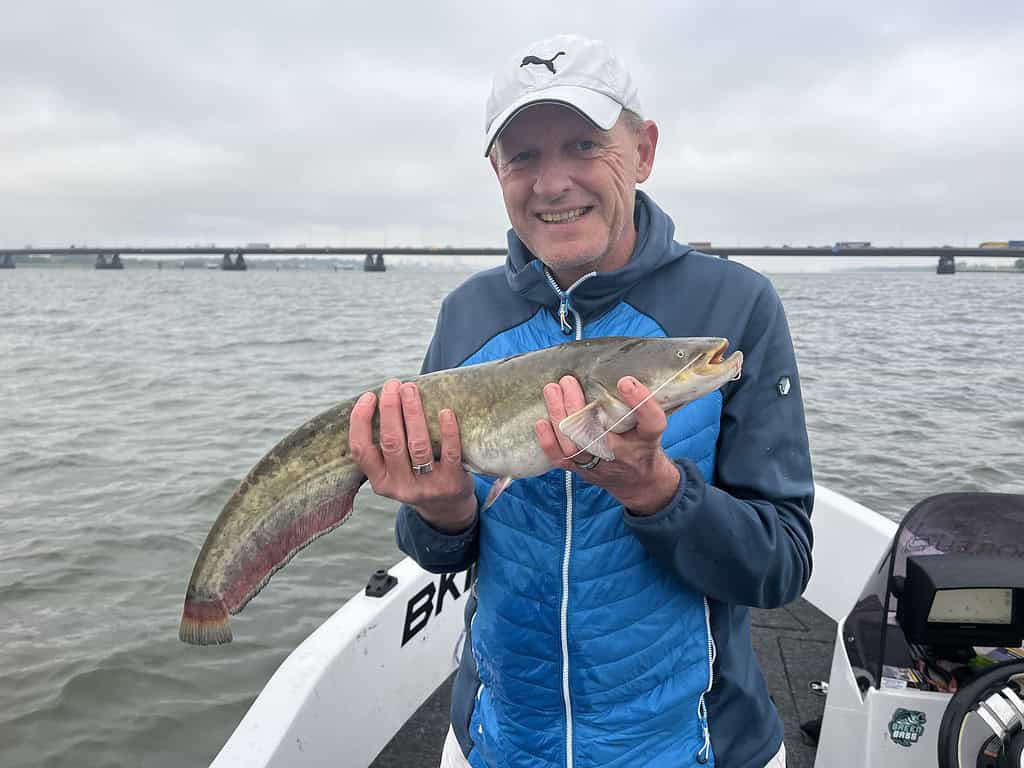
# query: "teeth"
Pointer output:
{"type": "Point", "coordinates": [564, 216]}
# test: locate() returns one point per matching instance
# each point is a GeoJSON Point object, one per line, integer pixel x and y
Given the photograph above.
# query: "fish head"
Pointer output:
{"type": "Point", "coordinates": [677, 370]}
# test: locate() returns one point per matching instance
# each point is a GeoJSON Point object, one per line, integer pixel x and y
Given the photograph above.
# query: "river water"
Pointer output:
{"type": "Point", "coordinates": [132, 403]}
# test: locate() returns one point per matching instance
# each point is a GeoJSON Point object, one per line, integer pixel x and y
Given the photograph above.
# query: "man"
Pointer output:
{"type": "Point", "coordinates": [608, 624]}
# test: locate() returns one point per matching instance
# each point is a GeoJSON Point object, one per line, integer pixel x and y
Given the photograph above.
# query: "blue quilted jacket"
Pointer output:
{"type": "Point", "coordinates": [600, 638]}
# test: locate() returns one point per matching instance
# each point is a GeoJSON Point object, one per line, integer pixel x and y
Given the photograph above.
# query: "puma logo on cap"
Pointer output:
{"type": "Point", "coordinates": [549, 63]}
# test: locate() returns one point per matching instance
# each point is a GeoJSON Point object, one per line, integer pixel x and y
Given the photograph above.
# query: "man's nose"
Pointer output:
{"type": "Point", "coordinates": [553, 178]}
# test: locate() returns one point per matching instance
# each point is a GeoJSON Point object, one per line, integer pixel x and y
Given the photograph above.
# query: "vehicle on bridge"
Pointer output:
{"type": "Point", "coordinates": [852, 244]}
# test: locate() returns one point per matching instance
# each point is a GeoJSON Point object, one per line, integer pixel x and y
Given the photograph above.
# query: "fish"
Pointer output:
{"type": "Point", "coordinates": [305, 485]}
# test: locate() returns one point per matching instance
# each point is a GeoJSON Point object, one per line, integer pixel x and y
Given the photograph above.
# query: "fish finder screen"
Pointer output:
{"type": "Point", "coordinates": [974, 606]}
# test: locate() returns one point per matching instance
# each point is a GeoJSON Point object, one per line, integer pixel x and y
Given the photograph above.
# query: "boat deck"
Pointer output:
{"type": "Point", "coordinates": [794, 645]}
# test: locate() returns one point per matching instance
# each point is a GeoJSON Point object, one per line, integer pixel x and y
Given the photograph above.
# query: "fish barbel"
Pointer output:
{"type": "Point", "coordinates": [304, 487]}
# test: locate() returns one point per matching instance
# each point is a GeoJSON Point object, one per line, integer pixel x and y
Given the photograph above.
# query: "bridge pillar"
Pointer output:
{"type": "Point", "coordinates": [238, 265]}
{"type": "Point", "coordinates": [947, 265]}
{"type": "Point", "coordinates": [374, 262]}
{"type": "Point", "coordinates": [114, 263]}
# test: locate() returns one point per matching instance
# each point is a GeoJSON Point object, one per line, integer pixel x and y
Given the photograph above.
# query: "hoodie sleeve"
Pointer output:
{"type": "Point", "coordinates": [434, 550]}
{"type": "Point", "coordinates": [746, 539]}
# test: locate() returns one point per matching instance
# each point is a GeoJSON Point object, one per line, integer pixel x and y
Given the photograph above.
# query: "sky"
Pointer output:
{"type": "Point", "coordinates": [341, 123]}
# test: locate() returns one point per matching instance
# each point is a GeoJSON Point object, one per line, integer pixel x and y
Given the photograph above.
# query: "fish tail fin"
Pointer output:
{"type": "Point", "coordinates": [204, 621]}
{"type": "Point", "coordinates": [303, 513]}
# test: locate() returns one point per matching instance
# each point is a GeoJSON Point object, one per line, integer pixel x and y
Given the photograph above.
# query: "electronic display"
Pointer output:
{"type": "Point", "coordinates": [972, 606]}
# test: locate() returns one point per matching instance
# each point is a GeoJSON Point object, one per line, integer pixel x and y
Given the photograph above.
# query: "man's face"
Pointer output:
{"type": "Point", "coordinates": [569, 187]}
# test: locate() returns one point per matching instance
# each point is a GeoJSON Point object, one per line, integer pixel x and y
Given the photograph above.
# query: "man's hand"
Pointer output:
{"type": "Point", "coordinates": [642, 477]}
{"type": "Point", "coordinates": [444, 495]}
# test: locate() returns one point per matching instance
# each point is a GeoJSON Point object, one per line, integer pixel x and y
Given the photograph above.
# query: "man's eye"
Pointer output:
{"type": "Point", "coordinates": [519, 158]}
{"type": "Point", "coordinates": [586, 145]}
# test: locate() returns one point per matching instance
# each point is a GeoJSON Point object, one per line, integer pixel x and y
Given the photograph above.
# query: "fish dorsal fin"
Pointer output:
{"type": "Point", "coordinates": [586, 428]}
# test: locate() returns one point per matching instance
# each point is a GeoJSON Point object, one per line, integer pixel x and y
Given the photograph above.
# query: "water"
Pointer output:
{"type": "Point", "coordinates": [131, 404]}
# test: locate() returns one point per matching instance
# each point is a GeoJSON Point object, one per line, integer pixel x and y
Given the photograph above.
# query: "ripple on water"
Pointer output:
{"type": "Point", "coordinates": [1015, 423]}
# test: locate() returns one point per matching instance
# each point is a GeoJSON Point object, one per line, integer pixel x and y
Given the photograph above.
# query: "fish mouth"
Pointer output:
{"type": "Point", "coordinates": [716, 356]}
{"type": "Point", "coordinates": [716, 363]}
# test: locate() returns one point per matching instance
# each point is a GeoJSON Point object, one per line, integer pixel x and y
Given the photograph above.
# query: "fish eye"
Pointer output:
{"type": "Point", "coordinates": [680, 354]}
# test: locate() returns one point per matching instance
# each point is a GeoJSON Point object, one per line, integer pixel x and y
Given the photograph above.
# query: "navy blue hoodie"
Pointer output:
{"type": "Point", "coordinates": [737, 531]}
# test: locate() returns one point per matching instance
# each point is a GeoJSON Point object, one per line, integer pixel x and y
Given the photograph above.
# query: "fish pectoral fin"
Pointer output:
{"type": "Point", "coordinates": [586, 428]}
{"type": "Point", "coordinates": [496, 490]}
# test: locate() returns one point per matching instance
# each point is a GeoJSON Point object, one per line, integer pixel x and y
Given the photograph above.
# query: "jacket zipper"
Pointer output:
{"type": "Point", "coordinates": [564, 618]}
{"type": "Point", "coordinates": [564, 308]}
{"type": "Point", "coordinates": [704, 753]}
{"type": "Point", "coordinates": [564, 304]}
{"type": "Point", "coordinates": [564, 621]}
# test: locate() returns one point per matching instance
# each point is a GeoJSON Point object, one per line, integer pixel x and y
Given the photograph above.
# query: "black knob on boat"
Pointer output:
{"type": "Point", "coordinates": [380, 583]}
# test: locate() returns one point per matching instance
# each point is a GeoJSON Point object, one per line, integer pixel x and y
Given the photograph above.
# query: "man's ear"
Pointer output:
{"type": "Point", "coordinates": [493, 157]}
{"type": "Point", "coordinates": [646, 146]}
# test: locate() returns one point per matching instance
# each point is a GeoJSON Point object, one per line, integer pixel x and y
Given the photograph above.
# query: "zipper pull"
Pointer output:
{"type": "Point", "coordinates": [704, 753]}
{"type": "Point", "coordinates": [562, 313]}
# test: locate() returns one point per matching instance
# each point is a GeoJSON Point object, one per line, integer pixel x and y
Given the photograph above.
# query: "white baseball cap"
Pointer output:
{"type": "Point", "coordinates": [573, 71]}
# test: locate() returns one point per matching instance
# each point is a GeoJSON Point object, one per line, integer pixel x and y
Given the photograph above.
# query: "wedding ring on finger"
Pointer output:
{"type": "Point", "coordinates": [590, 464]}
{"type": "Point", "coordinates": [423, 469]}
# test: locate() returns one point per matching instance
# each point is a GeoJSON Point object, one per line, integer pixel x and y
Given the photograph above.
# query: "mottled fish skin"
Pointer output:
{"type": "Point", "coordinates": [304, 487]}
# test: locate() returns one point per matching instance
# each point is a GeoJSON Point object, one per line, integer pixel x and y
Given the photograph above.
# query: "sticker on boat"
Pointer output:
{"type": "Point", "coordinates": [430, 601]}
{"type": "Point", "coordinates": [906, 726]}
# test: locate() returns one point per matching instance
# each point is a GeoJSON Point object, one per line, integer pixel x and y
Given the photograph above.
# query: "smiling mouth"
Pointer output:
{"type": "Point", "coordinates": [564, 217]}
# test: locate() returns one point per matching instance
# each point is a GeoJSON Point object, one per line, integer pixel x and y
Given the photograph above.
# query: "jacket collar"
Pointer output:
{"type": "Point", "coordinates": [594, 296]}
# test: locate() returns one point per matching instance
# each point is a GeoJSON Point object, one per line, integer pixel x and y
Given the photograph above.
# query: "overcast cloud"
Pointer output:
{"type": "Point", "coordinates": [361, 123]}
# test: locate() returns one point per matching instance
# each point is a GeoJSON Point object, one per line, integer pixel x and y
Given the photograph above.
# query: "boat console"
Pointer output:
{"type": "Point", "coordinates": [928, 664]}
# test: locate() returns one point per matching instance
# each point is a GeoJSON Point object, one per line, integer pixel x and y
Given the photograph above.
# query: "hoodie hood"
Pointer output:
{"type": "Point", "coordinates": [594, 296]}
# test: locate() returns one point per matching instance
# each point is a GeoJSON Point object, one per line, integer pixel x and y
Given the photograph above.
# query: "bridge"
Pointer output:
{"type": "Point", "coordinates": [945, 256]}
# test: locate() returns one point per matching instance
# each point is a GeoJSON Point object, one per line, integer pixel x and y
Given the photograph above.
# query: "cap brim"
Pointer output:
{"type": "Point", "coordinates": [599, 109]}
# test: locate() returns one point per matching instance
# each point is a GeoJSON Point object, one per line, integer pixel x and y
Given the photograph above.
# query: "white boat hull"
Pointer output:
{"type": "Point", "coordinates": [348, 688]}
